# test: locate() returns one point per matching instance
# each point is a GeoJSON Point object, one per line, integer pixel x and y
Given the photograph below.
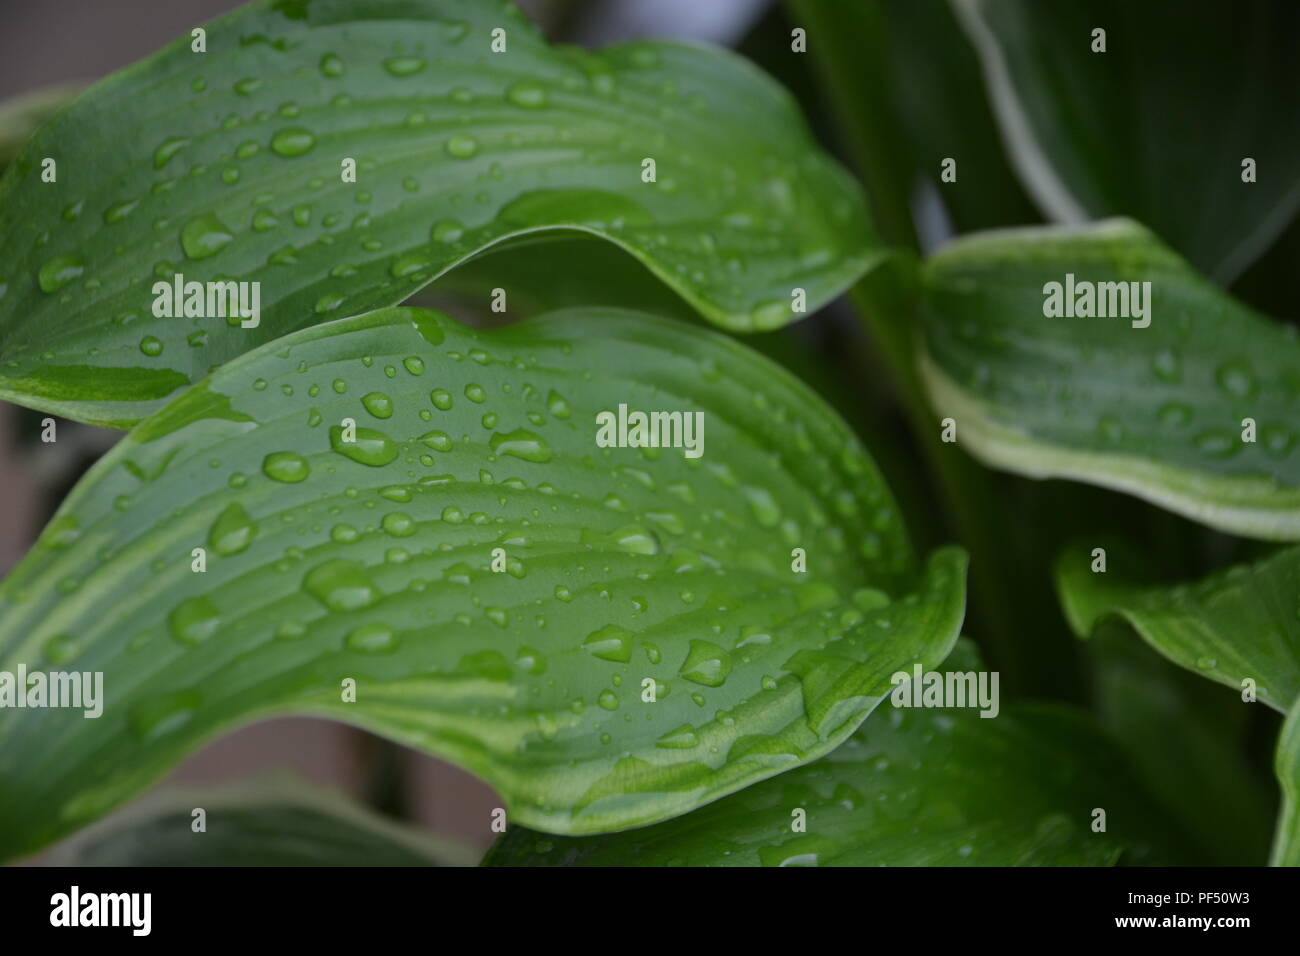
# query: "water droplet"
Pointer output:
{"type": "Point", "coordinates": [398, 525]}
{"type": "Point", "coordinates": [610, 643]}
{"type": "Point", "coordinates": [706, 664]}
{"type": "Point", "coordinates": [371, 447]}
{"type": "Point", "coordinates": [167, 149]}
{"type": "Point", "coordinates": [527, 94]}
{"type": "Point", "coordinates": [438, 441]}
{"type": "Point", "coordinates": [232, 532]}
{"type": "Point", "coordinates": [1110, 428]}
{"type": "Point", "coordinates": [441, 398]}
{"type": "Point", "coordinates": [60, 649]}
{"type": "Point", "coordinates": [1174, 414]}
{"type": "Point", "coordinates": [608, 700]}
{"type": "Point", "coordinates": [557, 405]}
{"type": "Point", "coordinates": [59, 271]}
{"type": "Point", "coordinates": [205, 236]}
{"type": "Point", "coordinates": [193, 620]}
{"type": "Point", "coordinates": [378, 404]}
{"type": "Point", "coordinates": [341, 585]}
{"type": "Point", "coordinates": [763, 506]}
{"type": "Point", "coordinates": [521, 444]}
{"type": "Point", "coordinates": [119, 211]}
{"type": "Point", "coordinates": [286, 466]}
{"type": "Point", "coordinates": [1237, 379]}
{"type": "Point", "coordinates": [151, 345]}
{"type": "Point", "coordinates": [475, 393]}
{"type": "Point", "coordinates": [410, 264]}
{"type": "Point", "coordinates": [1166, 366]}
{"type": "Point", "coordinates": [461, 146]}
{"type": "Point", "coordinates": [290, 631]}
{"type": "Point", "coordinates": [404, 65]}
{"type": "Point", "coordinates": [446, 230]}
{"type": "Point", "coordinates": [153, 718]}
{"type": "Point", "coordinates": [373, 638]}
{"type": "Point", "coordinates": [331, 65]}
{"type": "Point", "coordinates": [293, 141]}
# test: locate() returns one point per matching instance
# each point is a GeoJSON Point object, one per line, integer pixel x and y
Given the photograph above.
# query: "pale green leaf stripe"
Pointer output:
{"type": "Point", "coordinates": [1286, 839]}
{"type": "Point", "coordinates": [622, 565]}
{"type": "Point", "coordinates": [227, 165]}
{"type": "Point", "coordinates": [1237, 624]}
{"type": "Point", "coordinates": [278, 821]}
{"type": "Point", "coordinates": [1156, 412]}
{"type": "Point", "coordinates": [910, 788]}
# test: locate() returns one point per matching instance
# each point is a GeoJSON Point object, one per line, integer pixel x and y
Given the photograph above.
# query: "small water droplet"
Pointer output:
{"type": "Point", "coordinates": [373, 638]}
{"type": "Point", "coordinates": [331, 65]}
{"type": "Point", "coordinates": [461, 146]}
{"type": "Point", "coordinates": [404, 65]}
{"type": "Point", "coordinates": [286, 466]}
{"type": "Point", "coordinates": [371, 447]}
{"type": "Point", "coordinates": [527, 94]}
{"type": "Point", "coordinates": [59, 271]}
{"type": "Point", "coordinates": [341, 585]}
{"type": "Point", "coordinates": [193, 621]}
{"type": "Point", "coordinates": [293, 141]}
{"type": "Point", "coordinates": [205, 236]}
{"type": "Point", "coordinates": [521, 444]}
{"type": "Point", "coordinates": [706, 664]}
{"type": "Point", "coordinates": [232, 532]}
{"type": "Point", "coordinates": [610, 643]}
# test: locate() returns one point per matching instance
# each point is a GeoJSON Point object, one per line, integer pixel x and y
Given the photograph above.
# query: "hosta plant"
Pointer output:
{"type": "Point", "coordinates": [468, 399]}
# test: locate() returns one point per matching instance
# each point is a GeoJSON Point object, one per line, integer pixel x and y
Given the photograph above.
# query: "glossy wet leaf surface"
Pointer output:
{"type": "Point", "coordinates": [1237, 624]}
{"type": "Point", "coordinates": [229, 166]}
{"type": "Point", "coordinates": [275, 822]}
{"type": "Point", "coordinates": [1185, 90]}
{"type": "Point", "coordinates": [621, 570]}
{"type": "Point", "coordinates": [1157, 411]}
{"type": "Point", "coordinates": [913, 787]}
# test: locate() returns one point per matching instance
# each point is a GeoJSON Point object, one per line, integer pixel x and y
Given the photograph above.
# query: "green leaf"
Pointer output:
{"type": "Point", "coordinates": [1286, 839]}
{"type": "Point", "coordinates": [1133, 131]}
{"type": "Point", "coordinates": [1154, 411]}
{"type": "Point", "coordinates": [227, 166]}
{"type": "Point", "coordinates": [908, 95]}
{"type": "Point", "coordinates": [1237, 624]}
{"type": "Point", "coordinates": [1188, 740]}
{"type": "Point", "coordinates": [910, 788]}
{"type": "Point", "coordinates": [372, 562]}
{"type": "Point", "coordinates": [550, 271]}
{"type": "Point", "coordinates": [274, 822]}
